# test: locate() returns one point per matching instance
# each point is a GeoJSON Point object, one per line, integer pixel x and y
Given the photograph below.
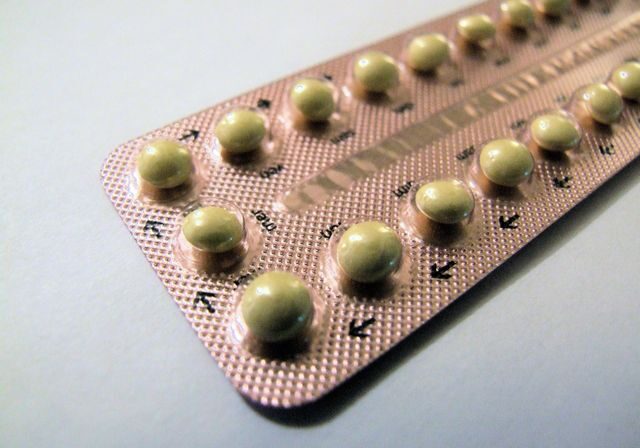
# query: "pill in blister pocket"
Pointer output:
{"type": "Point", "coordinates": [476, 28]}
{"type": "Point", "coordinates": [241, 131]}
{"type": "Point", "coordinates": [626, 79]}
{"type": "Point", "coordinates": [445, 201]}
{"type": "Point", "coordinates": [554, 132]}
{"type": "Point", "coordinates": [517, 13]}
{"type": "Point", "coordinates": [213, 229]}
{"type": "Point", "coordinates": [164, 164]}
{"type": "Point", "coordinates": [277, 307]}
{"type": "Point", "coordinates": [554, 8]}
{"type": "Point", "coordinates": [313, 99]}
{"type": "Point", "coordinates": [376, 72]}
{"type": "Point", "coordinates": [506, 162]}
{"type": "Point", "coordinates": [603, 103]}
{"type": "Point", "coordinates": [369, 252]}
{"type": "Point", "coordinates": [427, 52]}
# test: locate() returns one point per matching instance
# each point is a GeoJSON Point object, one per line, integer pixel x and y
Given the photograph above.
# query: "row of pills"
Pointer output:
{"type": "Point", "coordinates": [166, 164]}
{"type": "Point", "coordinates": [244, 130]}
{"type": "Point", "coordinates": [277, 306]}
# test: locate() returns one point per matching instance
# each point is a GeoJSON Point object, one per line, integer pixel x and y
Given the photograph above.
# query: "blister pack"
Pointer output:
{"type": "Point", "coordinates": [306, 227]}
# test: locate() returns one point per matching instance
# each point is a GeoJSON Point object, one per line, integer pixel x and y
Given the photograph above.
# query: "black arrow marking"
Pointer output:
{"type": "Point", "coordinates": [264, 104]}
{"type": "Point", "coordinates": [518, 124]}
{"type": "Point", "coordinates": [403, 107]}
{"type": "Point", "coordinates": [202, 296]}
{"type": "Point", "coordinates": [355, 331]}
{"type": "Point", "coordinates": [562, 183]}
{"type": "Point", "coordinates": [561, 98]}
{"type": "Point", "coordinates": [152, 226]}
{"type": "Point", "coordinates": [508, 223]}
{"type": "Point", "coordinates": [193, 133]}
{"type": "Point", "coordinates": [540, 42]}
{"type": "Point", "coordinates": [504, 59]}
{"type": "Point", "coordinates": [574, 25]}
{"type": "Point", "coordinates": [440, 273]}
{"type": "Point", "coordinates": [607, 150]}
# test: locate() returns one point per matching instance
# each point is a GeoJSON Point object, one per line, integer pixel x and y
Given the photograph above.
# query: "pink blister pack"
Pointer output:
{"type": "Point", "coordinates": [295, 198]}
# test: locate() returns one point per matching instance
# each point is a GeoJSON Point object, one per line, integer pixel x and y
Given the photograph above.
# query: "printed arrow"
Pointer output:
{"type": "Point", "coordinates": [607, 150]}
{"type": "Point", "coordinates": [440, 273]}
{"type": "Point", "coordinates": [508, 223]}
{"type": "Point", "coordinates": [202, 296]}
{"type": "Point", "coordinates": [561, 98]}
{"type": "Point", "coordinates": [356, 331]}
{"type": "Point", "coordinates": [403, 108]}
{"type": "Point", "coordinates": [152, 226]}
{"type": "Point", "coordinates": [540, 42]}
{"type": "Point", "coordinates": [518, 124]}
{"type": "Point", "coordinates": [193, 133]}
{"type": "Point", "coordinates": [504, 59]}
{"type": "Point", "coordinates": [264, 104]}
{"type": "Point", "coordinates": [562, 183]}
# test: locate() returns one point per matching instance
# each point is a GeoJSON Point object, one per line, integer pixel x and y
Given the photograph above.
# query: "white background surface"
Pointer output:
{"type": "Point", "coordinates": [93, 352]}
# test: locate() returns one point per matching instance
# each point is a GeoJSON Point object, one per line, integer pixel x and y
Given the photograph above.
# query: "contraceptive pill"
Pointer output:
{"type": "Point", "coordinates": [506, 162]}
{"type": "Point", "coordinates": [376, 72]}
{"type": "Point", "coordinates": [164, 163]}
{"type": "Point", "coordinates": [427, 52]}
{"type": "Point", "coordinates": [626, 80]}
{"type": "Point", "coordinates": [369, 252]}
{"type": "Point", "coordinates": [276, 306]}
{"type": "Point", "coordinates": [212, 229]}
{"type": "Point", "coordinates": [517, 13]}
{"type": "Point", "coordinates": [553, 8]}
{"type": "Point", "coordinates": [447, 201]}
{"type": "Point", "coordinates": [313, 99]}
{"type": "Point", "coordinates": [554, 132]}
{"type": "Point", "coordinates": [603, 103]}
{"type": "Point", "coordinates": [241, 130]}
{"type": "Point", "coordinates": [476, 28]}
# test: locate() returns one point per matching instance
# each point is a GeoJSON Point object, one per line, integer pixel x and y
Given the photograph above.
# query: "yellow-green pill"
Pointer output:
{"type": "Point", "coordinates": [445, 201]}
{"type": "Point", "coordinates": [376, 72]}
{"type": "Point", "coordinates": [313, 98]}
{"type": "Point", "coordinates": [213, 229]}
{"type": "Point", "coordinates": [603, 103]}
{"type": "Point", "coordinates": [554, 132]}
{"type": "Point", "coordinates": [241, 130]}
{"type": "Point", "coordinates": [369, 251]}
{"type": "Point", "coordinates": [476, 28]}
{"type": "Point", "coordinates": [277, 307]}
{"type": "Point", "coordinates": [506, 162]}
{"type": "Point", "coordinates": [553, 8]}
{"type": "Point", "coordinates": [626, 79]}
{"type": "Point", "coordinates": [427, 52]}
{"type": "Point", "coordinates": [517, 13]}
{"type": "Point", "coordinates": [164, 164]}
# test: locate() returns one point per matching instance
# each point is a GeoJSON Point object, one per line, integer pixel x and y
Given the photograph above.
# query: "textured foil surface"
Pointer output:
{"type": "Point", "coordinates": [313, 185]}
